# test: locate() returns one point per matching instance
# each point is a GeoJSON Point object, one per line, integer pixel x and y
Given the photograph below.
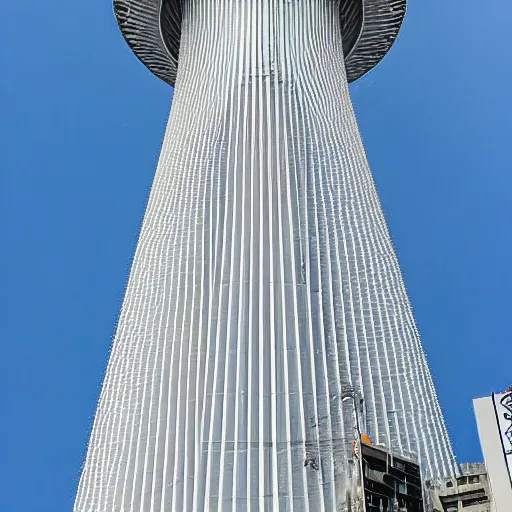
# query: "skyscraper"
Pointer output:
{"type": "Point", "coordinates": [265, 322]}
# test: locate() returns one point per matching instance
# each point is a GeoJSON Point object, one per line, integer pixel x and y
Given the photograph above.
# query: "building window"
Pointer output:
{"type": "Point", "coordinates": [475, 501]}
{"type": "Point", "coordinates": [449, 484]}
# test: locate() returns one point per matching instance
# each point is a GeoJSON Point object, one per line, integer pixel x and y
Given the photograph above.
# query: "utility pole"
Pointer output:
{"type": "Point", "coordinates": [349, 393]}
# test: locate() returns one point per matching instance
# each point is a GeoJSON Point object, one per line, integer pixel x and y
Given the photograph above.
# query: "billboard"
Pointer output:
{"type": "Point", "coordinates": [503, 408]}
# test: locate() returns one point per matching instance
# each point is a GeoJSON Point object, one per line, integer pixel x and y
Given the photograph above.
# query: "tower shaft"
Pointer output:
{"type": "Point", "coordinates": [263, 282]}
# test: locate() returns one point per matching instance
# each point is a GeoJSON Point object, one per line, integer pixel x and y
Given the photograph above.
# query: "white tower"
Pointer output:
{"type": "Point", "coordinates": [264, 279]}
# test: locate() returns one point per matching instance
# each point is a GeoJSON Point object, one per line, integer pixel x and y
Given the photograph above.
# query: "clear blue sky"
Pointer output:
{"type": "Point", "coordinates": [81, 126]}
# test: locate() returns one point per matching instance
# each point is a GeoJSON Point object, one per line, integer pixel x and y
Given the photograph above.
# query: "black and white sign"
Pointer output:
{"type": "Point", "coordinates": [503, 408]}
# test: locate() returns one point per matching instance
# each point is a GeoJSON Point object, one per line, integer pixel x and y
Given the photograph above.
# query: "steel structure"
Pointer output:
{"type": "Point", "coordinates": [264, 280]}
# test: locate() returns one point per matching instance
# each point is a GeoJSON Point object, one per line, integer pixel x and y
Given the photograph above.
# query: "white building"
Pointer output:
{"type": "Point", "coordinates": [264, 277]}
{"type": "Point", "coordinates": [494, 420]}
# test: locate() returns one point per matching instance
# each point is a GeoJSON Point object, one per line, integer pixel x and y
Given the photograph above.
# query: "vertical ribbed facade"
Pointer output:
{"type": "Point", "coordinates": [263, 282]}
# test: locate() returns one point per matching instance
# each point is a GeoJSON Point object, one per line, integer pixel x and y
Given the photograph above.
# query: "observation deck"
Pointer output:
{"type": "Point", "coordinates": [152, 29]}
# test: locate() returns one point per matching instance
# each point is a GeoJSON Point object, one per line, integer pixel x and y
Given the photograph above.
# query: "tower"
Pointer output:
{"type": "Point", "coordinates": [265, 322]}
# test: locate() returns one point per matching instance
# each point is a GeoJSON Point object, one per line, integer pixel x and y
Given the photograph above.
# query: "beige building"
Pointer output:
{"type": "Point", "coordinates": [481, 487]}
{"type": "Point", "coordinates": [468, 492]}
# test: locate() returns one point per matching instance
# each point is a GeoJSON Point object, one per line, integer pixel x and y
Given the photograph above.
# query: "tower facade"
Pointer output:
{"type": "Point", "coordinates": [265, 323]}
